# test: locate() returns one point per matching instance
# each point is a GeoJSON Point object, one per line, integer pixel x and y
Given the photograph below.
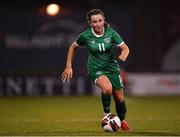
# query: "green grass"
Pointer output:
{"type": "Point", "coordinates": [80, 116]}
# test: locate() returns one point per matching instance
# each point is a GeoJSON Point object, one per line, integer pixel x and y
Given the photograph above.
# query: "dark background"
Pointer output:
{"type": "Point", "coordinates": [150, 28]}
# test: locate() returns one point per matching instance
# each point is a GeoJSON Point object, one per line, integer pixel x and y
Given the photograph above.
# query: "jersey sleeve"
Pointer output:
{"type": "Point", "coordinates": [81, 40]}
{"type": "Point", "coordinates": [117, 40]}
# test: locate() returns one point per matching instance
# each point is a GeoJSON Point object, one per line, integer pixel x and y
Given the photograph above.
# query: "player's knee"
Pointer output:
{"type": "Point", "coordinates": [120, 98]}
{"type": "Point", "coordinates": [108, 90]}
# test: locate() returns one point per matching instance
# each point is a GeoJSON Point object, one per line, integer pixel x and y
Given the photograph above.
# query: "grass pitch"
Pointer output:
{"type": "Point", "coordinates": [80, 116]}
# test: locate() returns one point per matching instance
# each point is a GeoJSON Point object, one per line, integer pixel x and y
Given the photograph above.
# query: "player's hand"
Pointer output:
{"type": "Point", "coordinates": [122, 57]}
{"type": "Point", "coordinates": [67, 74]}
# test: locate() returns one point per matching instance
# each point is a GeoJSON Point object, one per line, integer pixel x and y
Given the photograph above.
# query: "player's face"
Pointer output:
{"type": "Point", "coordinates": [97, 23]}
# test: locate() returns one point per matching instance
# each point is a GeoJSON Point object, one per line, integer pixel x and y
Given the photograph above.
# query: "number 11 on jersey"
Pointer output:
{"type": "Point", "coordinates": [101, 47]}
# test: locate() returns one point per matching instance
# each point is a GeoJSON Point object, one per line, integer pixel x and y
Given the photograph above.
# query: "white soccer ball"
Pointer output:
{"type": "Point", "coordinates": [111, 123]}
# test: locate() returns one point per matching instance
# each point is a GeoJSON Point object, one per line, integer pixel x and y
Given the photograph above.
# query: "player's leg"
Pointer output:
{"type": "Point", "coordinates": [106, 87]}
{"type": "Point", "coordinates": [118, 95]}
{"type": "Point", "coordinates": [120, 105]}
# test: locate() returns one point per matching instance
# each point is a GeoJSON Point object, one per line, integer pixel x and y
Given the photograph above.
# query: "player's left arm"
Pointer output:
{"type": "Point", "coordinates": [120, 43]}
{"type": "Point", "coordinates": [124, 52]}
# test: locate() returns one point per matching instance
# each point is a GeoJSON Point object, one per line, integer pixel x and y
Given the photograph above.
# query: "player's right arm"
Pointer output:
{"type": "Point", "coordinates": [68, 71]}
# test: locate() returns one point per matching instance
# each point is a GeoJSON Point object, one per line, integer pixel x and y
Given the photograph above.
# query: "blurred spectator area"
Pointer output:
{"type": "Point", "coordinates": [150, 28]}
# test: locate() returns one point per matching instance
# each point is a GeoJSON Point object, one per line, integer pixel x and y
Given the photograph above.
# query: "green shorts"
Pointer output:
{"type": "Point", "coordinates": [114, 78]}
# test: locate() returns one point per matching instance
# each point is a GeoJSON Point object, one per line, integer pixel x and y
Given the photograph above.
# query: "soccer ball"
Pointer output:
{"type": "Point", "coordinates": [111, 123]}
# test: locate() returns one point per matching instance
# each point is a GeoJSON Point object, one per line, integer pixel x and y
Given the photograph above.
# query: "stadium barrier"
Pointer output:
{"type": "Point", "coordinates": [43, 85]}
{"type": "Point", "coordinates": [139, 84]}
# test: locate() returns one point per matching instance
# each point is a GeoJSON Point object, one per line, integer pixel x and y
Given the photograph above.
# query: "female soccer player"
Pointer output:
{"type": "Point", "coordinates": [103, 69]}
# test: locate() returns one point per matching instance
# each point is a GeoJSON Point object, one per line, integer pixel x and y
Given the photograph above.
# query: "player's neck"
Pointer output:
{"type": "Point", "coordinates": [98, 34]}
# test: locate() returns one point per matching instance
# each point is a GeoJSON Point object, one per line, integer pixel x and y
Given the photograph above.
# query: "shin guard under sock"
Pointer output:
{"type": "Point", "coordinates": [106, 102]}
{"type": "Point", "coordinates": [121, 110]}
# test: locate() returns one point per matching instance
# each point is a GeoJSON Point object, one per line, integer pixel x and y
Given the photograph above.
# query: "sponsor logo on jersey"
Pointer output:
{"type": "Point", "coordinates": [107, 40]}
{"type": "Point", "coordinates": [98, 72]}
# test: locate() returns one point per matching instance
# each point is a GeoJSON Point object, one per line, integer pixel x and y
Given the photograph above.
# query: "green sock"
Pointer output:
{"type": "Point", "coordinates": [106, 102]}
{"type": "Point", "coordinates": [121, 110]}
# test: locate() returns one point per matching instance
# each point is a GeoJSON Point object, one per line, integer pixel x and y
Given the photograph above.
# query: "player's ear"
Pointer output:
{"type": "Point", "coordinates": [103, 16]}
{"type": "Point", "coordinates": [90, 23]}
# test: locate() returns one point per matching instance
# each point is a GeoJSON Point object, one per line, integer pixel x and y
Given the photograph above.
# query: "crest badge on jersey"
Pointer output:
{"type": "Point", "coordinates": [107, 40]}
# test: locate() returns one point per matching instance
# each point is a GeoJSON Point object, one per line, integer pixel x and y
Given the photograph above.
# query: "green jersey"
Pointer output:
{"type": "Point", "coordinates": [100, 48]}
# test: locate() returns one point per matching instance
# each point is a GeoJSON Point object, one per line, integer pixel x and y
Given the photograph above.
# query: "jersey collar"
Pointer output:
{"type": "Point", "coordinates": [97, 34]}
